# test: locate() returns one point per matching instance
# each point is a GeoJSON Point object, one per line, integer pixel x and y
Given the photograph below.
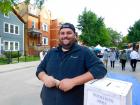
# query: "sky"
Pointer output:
{"type": "Point", "coordinates": [118, 14]}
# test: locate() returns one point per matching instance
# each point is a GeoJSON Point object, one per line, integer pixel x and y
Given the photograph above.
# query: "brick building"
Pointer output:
{"type": "Point", "coordinates": [40, 30]}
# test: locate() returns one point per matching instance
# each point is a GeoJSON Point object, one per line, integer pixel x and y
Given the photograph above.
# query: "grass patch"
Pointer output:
{"type": "Point", "coordinates": [4, 60]}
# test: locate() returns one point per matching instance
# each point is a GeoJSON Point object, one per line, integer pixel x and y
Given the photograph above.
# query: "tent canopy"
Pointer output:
{"type": "Point", "coordinates": [98, 47]}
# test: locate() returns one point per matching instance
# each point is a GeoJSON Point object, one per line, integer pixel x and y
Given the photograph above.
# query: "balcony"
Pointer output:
{"type": "Point", "coordinates": [34, 32]}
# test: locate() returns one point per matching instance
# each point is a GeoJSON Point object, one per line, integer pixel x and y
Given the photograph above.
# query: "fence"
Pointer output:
{"type": "Point", "coordinates": [7, 57]}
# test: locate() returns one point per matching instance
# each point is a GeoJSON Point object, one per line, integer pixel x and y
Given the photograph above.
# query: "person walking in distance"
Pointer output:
{"type": "Point", "coordinates": [117, 54]}
{"type": "Point", "coordinates": [133, 59]}
{"type": "Point", "coordinates": [105, 58]}
{"type": "Point", "coordinates": [123, 59]}
{"type": "Point", "coordinates": [66, 68]}
{"type": "Point", "coordinates": [112, 58]}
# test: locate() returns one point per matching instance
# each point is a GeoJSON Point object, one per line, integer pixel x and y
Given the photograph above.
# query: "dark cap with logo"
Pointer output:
{"type": "Point", "coordinates": [68, 25]}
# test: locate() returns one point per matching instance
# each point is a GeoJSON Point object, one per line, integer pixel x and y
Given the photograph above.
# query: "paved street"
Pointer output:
{"type": "Point", "coordinates": [128, 70]}
{"type": "Point", "coordinates": [19, 86]}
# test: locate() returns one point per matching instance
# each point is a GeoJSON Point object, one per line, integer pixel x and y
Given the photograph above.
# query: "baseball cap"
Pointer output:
{"type": "Point", "coordinates": [68, 25]}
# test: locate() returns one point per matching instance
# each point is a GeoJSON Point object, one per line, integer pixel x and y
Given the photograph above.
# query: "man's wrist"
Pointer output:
{"type": "Point", "coordinates": [45, 77]}
{"type": "Point", "coordinates": [57, 82]}
{"type": "Point", "coordinates": [74, 82]}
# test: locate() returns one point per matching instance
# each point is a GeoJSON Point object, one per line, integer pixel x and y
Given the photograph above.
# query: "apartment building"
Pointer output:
{"type": "Point", "coordinates": [39, 28]}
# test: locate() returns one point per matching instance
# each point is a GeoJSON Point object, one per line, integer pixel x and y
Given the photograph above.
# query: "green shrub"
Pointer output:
{"type": "Point", "coordinates": [13, 54]}
{"type": "Point", "coordinates": [3, 60]}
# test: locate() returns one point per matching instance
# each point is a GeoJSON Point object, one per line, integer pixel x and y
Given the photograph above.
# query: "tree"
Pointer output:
{"type": "Point", "coordinates": [116, 37]}
{"type": "Point", "coordinates": [7, 5]}
{"type": "Point", "coordinates": [93, 29]}
{"type": "Point", "coordinates": [124, 43]}
{"type": "Point", "coordinates": [134, 32]}
{"type": "Point", "coordinates": [125, 39]}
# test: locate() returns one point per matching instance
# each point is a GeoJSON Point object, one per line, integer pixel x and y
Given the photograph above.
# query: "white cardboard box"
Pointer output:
{"type": "Point", "coordinates": [108, 91]}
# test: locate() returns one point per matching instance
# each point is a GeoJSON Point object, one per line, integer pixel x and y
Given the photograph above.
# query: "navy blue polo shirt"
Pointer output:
{"type": "Point", "coordinates": [72, 63]}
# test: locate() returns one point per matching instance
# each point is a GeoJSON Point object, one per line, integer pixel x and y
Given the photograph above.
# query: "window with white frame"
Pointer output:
{"type": "Point", "coordinates": [10, 28]}
{"type": "Point", "coordinates": [16, 30]}
{"type": "Point", "coordinates": [44, 40]}
{"type": "Point", "coordinates": [11, 46]}
{"type": "Point", "coordinates": [45, 27]}
{"type": "Point", "coordinates": [33, 24]}
{"type": "Point", "coordinates": [6, 27]}
{"type": "Point", "coordinates": [5, 45]}
{"type": "Point", "coordinates": [16, 46]}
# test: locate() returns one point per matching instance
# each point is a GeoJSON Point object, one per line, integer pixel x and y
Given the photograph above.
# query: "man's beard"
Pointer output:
{"type": "Point", "coordinates": [68, 46]}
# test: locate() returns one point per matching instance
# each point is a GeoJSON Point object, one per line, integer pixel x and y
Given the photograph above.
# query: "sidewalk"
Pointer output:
{"type": "Point", "coordinates": [17, 66]}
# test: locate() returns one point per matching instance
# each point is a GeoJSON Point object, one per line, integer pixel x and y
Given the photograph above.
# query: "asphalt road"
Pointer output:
{"type": "Point", "coordinates": [20, 87]}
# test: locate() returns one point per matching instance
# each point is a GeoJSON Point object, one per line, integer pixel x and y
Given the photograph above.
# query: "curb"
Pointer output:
{"type": "Point", "coordinates": [17, 66]}
{"type": "Point", "coordinates": [16, 69]}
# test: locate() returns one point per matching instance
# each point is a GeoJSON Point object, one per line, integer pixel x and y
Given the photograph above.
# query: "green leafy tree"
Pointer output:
{"type": "Point", "coordinates": [124, 43]}
{"type": "Point", "coordinates": [7, 5]}
{"type": "Point", "coordinates": [116, 37]}
{"type": "Point", "coordinates": [134, 32]}
{"type": "Point", "coordinates": [93, 29]}
{"type": "Point", "coordinates": [125, 39]}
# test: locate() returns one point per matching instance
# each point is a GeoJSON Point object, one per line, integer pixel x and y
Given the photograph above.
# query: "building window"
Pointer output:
{"type": "Point", "coordinates": [33, 10]}
{"type": "Point", "coordinates": [44, 41]}
{"type": "Point", "coordinates": [6, 27]}
{"type": "Point", "coordinates": [16, 30]}
{"type": "Point", "coordinates": [33, 24]}
{"type": "Point", "coordinates": [45, 27]}
{"type": "Point", "coordinates": [11, 28]}
{"type": "Point", "coordinates": [6, 45]}
{"type": "Point", "coordinates": [16, 46]}
{"type": "Point", "coordinates": [11, 46]}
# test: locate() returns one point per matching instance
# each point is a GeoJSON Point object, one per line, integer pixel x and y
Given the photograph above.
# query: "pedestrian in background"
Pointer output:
{"type": "Point", "coordinates": [105, 57]}
{"type": "Point", "coordinates": [112, 57]}
{"type": "Point", "coordinates": [65, 69]}
{"type": "Point", "coordinates": [42, 54]}
{"type": "Point", "coordinates": [123, 59]}
{"type": "Point", "coordinates": [128, 55]}
{"type": "Point", "coordinates": [133, 59]}
{"type": "Point", "coordinates": [117, 54]}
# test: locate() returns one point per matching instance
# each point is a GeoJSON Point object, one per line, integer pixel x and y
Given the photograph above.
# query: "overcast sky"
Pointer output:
{"type": "Point", "coordinates": [117, 14]}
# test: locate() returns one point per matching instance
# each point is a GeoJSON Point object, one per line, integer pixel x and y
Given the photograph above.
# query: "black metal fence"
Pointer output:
{"type": "Point", "coordinates": [7, 57]}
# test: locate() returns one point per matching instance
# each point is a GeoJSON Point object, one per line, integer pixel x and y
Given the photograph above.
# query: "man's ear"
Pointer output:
{"type": "Point", "coordinates": [75, 36]}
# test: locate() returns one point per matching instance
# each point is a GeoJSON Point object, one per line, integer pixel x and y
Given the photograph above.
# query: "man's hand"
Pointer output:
{"type": "Point", "coordinates": [66, 84]}
{"type": "Point", "coordinates": [51, 82]}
